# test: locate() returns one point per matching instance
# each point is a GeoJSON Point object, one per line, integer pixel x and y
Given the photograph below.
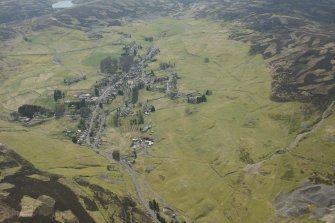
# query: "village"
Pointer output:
{"type": "Point", "coordinates": [124, 77]}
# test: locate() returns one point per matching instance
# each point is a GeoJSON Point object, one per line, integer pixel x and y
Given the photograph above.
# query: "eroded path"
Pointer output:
{"type": "Point", "coordinates": [254, 168]}
{"type": "Point", "coordinates": [302, 136]}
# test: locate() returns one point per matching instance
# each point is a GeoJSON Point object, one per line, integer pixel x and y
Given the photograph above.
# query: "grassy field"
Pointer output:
{"type": "Point", "coordinates": [49, 57]}
{"type": "Point", "coordinates": [199, 157]}
{"type": "Point", "coordinates": [49, 150]}
{"type": "Point", "coordinates": [41, 65]}
{"type": "Point", "coordinates": [50, 154]}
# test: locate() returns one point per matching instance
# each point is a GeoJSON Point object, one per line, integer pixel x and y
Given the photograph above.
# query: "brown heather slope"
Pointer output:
{"type": "Point", "coordinates": [296, 38]}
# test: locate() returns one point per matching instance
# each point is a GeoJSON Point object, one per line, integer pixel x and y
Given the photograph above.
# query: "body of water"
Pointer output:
{"type": "Point", "coordinates": [62, 5]}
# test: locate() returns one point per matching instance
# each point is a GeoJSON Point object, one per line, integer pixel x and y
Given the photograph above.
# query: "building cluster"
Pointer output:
{"type": "Point", "coordinates": [128, 83]}
{"type": "Point", "coordinates": [140, 143]}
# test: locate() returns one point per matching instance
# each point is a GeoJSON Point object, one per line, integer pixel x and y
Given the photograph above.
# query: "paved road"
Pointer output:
{"type": "Point", "coordinates": [137, 73]}
{"type": "Point", "coordinates": [103, 96]}
{"type": "Point", "coordinates": [143, 200]}
{"type": "Point", "coordinates": [97, 139]}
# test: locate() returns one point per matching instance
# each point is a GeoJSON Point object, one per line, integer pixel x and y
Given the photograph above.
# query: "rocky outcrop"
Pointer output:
{"type": "Point", "coordinates": [316, 199]}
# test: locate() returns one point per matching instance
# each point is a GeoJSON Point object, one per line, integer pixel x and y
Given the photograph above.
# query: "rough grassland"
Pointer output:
{"type": "Point", "coordinates": [51, 155]}
{"type": "Point", "coordinates": [199, 157]}
{"type": "Point", "coordinates": [40, 66]}
{"type": "Point", "coordinates": [46, 60]}
{"type": "Point", "coordinates": [199, 166]}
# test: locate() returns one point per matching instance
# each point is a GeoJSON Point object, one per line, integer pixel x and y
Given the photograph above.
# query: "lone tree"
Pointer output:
{"type": "Point", "coordinates": [74, 140]}
{"type": "Point", "coordinates": [116, 155]}
{"type": "Point", "coordinates": [206, 60]}
{"type": "Point", "coordinates": [209, 92]}
{"type": "Point", "coordinates": [58, 95]}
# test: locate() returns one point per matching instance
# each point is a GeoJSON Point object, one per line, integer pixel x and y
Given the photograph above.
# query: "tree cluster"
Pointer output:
{"type": "Point", "coordinates": [201, 99]}
{"type": "Point", "coordinates": [164, 65]}
{"type": "Point", "coordinates": [85, 112]}
{"type": "Point", "coordinates": [135, 95]}
{"type": "Point", "coordinates": [160, 218]}
{"type": "Point", "coordinates": [137, 121]}
{"type": "Point", "coordinates": [78, 104]}
{"type": "Point", "coordinates": [197, 99]}
{"type": "Point", "coordinates": [108, 65]}
{"type": "Point", "coordinates": [171, 86]}
{"type": "Point", "coordinates": [120, 92]}
{"type": "Point", "coordinates": [140, 118]}
{"type": "Point", "coordinates": [59, 110]}
{"type": "Point", "coordinates": [30, 110]}
{"type": "Point", "coordinates": [74, 140]}
{"type": "Point", "coordinates": [153, 205]}
{"type": "Point", "coordinates": [82, 124]}
{"type": "Point", "coordinates": [133, 121]}
{"type": "Point", "coordinates": [96, 91]}
{"type": "Point", "coordinates": [126, 62]}
{"type": "Point", "coordinates": [149, 38]}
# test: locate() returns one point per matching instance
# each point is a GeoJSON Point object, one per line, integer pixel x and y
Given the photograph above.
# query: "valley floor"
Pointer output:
{"type": "Point", "coordinates": [204, 163]}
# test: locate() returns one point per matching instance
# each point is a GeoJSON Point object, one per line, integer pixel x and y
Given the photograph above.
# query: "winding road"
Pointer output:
{"type": "Point", "coordinates": [136, 74]}
{"type": "Point", "coordinates": [143, 200]}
